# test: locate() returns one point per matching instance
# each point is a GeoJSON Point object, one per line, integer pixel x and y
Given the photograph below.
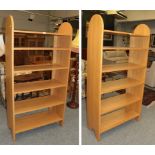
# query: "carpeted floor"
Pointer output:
{"type": "Point", "coordinates": [131, 133]}
{"type": "Point", "coordinates": [47, 135]}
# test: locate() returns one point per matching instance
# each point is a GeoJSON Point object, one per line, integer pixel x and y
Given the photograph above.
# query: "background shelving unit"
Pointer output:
{"type": "Point", "coordinates": [52, 106]}
{"type": "Point", "coordinates": [105, 114]}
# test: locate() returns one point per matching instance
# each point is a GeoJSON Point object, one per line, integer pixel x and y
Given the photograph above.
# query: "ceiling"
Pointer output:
{"type": "Point", "coordinates": [53, 14]}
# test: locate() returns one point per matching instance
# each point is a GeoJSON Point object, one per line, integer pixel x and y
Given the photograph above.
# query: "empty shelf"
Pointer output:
{"type": "Point", "coordinates": [114, 103]}
{"type": "Point", "coordinates": [116, 118]}
{"type": "Point", "coordinates": [32, 121]}
{"type": "Point", "coordinates": [117, 32]}
{"type": "Point", "coordinates": [120, 67]}
{"type": "Point", "coordinates": [36, 104]}
{"type": "Point", "coordinates": [37, 85]}
{"type": "Point", "coordinates": [123, 48]}
{"type": "Point", "coordinates": [38, 32]}
{"type": "Point", "coordinates": [40, 49]}
{"type": "Point", "coordinates": [124, 33]}
{"type": "Point", "coordinates": [38, 67]}
{"type": "Point", "coordinates": [119, 84]}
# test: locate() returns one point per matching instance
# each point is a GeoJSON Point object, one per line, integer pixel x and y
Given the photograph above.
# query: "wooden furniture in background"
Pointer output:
{"type": "Point", "coordinates": [73, 81]}
{"type": "Point", "coordinates": [53, 106]}
{"type": "Point", "coordinates": [27, 40]}
{"type": "Point", "coordinates": [74, 73]}
{"type": "Point", "coordinates": [105, 114]}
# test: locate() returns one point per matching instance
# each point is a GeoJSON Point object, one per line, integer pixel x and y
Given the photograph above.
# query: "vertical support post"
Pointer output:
{"type": "Point", "coordinates": [94, 73]}
{"type": "Point", "coordinates": [9, 54]}
{"type": "Point", "coordinates": [62, 57]}
{"type": "Point", "coordinates": [140, 58]}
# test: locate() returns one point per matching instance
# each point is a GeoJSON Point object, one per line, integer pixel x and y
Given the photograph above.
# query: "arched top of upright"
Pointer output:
{"type": "Point", "coordinates": [65, 28]}
{"type": "Point", "coordinates": [96, 24]}
{"type": "Point", "coordinates": [95, 35]}
{"type": "Point", "coordinates": [142, 29]}
{"type": "Point", "coordinates": [10, 22]}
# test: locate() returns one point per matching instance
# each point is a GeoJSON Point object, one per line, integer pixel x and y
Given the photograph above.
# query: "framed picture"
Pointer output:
{"type": "Point", "coordinates": [152, 40]}
{"type": "Point", "coordinates": [108, 37]}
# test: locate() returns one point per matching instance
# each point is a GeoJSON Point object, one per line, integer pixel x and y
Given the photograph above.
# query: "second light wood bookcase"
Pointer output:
{"type": "Point", "coordinates": [23, 115]}
{"type": "Point", "coordinates": [105, 114]}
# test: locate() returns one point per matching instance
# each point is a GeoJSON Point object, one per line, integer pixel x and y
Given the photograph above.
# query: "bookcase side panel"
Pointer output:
{"type": "Point", "coordinates": [94, 72]}
{"type": "Point", "coordinates": [62, 57]}
{"type": "Point", "coordinates": [9, 53]}
{"type": "Point", "coordinates": [139, 57]}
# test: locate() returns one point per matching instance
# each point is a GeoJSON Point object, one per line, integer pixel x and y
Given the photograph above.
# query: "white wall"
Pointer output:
{"type": "Point", "coordinates": [137, 15]}
{"type": "Point", "coordinates": [64, 13]}
{"type": "Point", "coordinates": [129, 26]}
{"type": "Point", "coordinates": [40, 23]}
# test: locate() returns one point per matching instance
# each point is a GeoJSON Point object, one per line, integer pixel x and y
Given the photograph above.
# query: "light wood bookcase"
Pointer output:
{"type": "Point", "coordinates": [105, 114]}
{"type": "Point", "coordinates": [54, 104]}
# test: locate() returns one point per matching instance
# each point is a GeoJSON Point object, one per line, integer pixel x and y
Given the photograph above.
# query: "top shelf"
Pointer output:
{"type": "Point", "coordinates": [109, 48]}
{"type": "Point", "coordinates": [124, 33]}
{"type": "Point", "coordinates": [41, 49]}
{"type": "Point", "coordinates": [41, 33]}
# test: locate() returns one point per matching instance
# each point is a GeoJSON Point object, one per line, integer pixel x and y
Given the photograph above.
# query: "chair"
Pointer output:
{"type": "Point", "coordinates": [150, 75]}
{"type": "Point", "coordinates": [2, 46]}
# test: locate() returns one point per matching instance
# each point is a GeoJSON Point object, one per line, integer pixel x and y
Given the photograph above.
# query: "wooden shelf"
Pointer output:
{"type": "Point", "coordinates": [124, 33]}
{"type": "Point", "coordinates": [38, 67]}
{"type": "Point", "coordinates": [111, 86]}
{"type": "Point", "coordinates": [116, 118]}
{"type": "Point", "coordinates": [102, 115]}
{"type": "Point", "coordinates": [38, 103]}
{"type": "Point", "coordinates": [117, 32]}
{"type": "Point", "coordinates": [120, 67]}
{"type": "Point", "coordinates": [37, 85]}
{"type": "Point", "coordinates": [123, 48]}
{"type": "Point", "coordinates": [35, 120]}
{"type": "Point", "coordinates": [38, 32]}
{"type": "Point", "coordinates": [25, 114]}
{"type": "Point", "coordinates": [117, 102]}
{"type": "Point", "coordinates": [40, 49]}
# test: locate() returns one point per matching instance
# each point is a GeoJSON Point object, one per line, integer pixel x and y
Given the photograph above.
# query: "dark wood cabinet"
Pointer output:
{"type": "Point", "coordinates": [27, 40]}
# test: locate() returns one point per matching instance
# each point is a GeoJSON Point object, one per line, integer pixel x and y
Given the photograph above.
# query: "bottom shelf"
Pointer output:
{"type": "Point", "coordinates": [32, 121]}
{"type": "Point", "coordinates": [116, 118]}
